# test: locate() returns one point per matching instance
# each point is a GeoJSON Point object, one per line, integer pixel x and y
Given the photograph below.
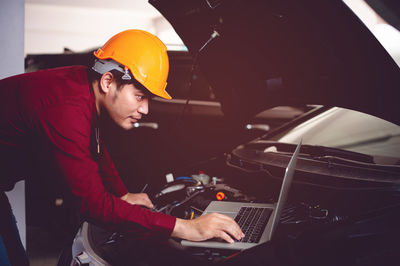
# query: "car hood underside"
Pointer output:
{"type": "Point", "coordinates": [259, 54]}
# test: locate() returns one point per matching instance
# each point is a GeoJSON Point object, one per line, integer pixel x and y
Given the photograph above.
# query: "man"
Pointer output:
{"type": "Point", "coordinates": [56, 111]}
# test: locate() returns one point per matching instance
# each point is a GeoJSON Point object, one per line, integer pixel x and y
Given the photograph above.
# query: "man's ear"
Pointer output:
{"type": "Point", "coordinates": [106, 82]}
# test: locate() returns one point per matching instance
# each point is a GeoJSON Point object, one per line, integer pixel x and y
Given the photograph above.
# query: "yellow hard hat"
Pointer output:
{"type": "Point", "coordinates": [143, 54]}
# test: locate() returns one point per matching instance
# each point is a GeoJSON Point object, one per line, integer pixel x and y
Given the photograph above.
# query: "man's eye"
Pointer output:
{"type": "Point", "coordinates": [140, 97]}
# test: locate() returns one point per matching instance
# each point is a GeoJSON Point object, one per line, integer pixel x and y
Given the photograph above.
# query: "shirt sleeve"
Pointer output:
{"type": "Point", "coordinates": [109, 174]}
{"type": "Point", "coordinates": [68, 130]}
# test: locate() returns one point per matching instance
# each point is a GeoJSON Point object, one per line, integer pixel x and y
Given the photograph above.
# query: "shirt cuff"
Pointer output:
{"type": "Point", "coordinates": [164, 224]}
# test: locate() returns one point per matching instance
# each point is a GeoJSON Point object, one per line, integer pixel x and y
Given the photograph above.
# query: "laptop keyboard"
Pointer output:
{"type": "Point", "coordinates": [252, 221]}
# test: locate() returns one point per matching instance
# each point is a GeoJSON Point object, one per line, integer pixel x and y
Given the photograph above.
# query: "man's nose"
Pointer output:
{"type": "Point", "coordinates": [144, 107]}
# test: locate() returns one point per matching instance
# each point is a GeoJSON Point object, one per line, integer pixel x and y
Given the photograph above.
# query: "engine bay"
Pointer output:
{"type": "Point", "coordinates": [316, 223]}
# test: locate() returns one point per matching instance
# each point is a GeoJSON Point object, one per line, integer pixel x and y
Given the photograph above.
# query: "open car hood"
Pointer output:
{"type": "Point", "coordinates": [258, 54]}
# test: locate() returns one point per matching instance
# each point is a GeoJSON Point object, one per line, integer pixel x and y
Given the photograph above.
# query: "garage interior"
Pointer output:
{"type": "Point", "coordinates": [65, 26]}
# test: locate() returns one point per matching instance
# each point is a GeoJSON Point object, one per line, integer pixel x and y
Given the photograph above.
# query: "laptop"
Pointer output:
{"type": "Point", "coordinates": [262, 218]}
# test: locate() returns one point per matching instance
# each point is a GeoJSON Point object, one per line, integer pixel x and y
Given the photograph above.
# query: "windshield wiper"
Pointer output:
{"type": "Point", "coordinates": [313, 150]}
{"type": "Point", "coordinates": [350, 158]}
{"type": "Point", "coordinates": [327, 154]}
{"type": "Point", "coordinates": [323, 151]}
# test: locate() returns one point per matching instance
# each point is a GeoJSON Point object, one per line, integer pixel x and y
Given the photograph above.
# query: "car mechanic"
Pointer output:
{"type": "Point", "coordinates": [57, 110]}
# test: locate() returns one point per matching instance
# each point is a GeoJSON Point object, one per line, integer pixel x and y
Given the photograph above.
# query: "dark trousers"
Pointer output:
{"type": "Point", "coordinates": [12, 251]}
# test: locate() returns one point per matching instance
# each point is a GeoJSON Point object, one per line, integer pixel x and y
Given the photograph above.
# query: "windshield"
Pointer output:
{"type": "Point", "coordinates": [349, 130]}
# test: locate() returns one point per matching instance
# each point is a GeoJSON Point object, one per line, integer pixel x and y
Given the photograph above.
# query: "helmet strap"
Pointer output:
{"type": "Point", "coordinates": [102, 66]}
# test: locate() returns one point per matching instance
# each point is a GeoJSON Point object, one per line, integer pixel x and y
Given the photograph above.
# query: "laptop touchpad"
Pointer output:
{"type": "Point", "coordinates": [230, 214]}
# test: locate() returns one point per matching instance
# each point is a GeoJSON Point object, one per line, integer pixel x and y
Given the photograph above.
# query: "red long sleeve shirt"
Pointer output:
{"type": "Point", "coordinates": [55, 110]}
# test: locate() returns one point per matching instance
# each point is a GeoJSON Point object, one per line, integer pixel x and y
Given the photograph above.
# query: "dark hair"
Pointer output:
{"type": "Point", "coordinates": [93, 76]}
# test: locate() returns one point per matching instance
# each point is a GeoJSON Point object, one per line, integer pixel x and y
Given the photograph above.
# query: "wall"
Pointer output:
{"type": "Point", "coordinates": [11, 63]}
{"type": "Point", "coordinates": [52, 26]}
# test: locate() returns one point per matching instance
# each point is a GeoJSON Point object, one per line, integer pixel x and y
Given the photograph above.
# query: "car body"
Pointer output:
{"type": "Point", "coordinates": [260, 54]}
{"type": "Point", "coordinates": [343, 207]}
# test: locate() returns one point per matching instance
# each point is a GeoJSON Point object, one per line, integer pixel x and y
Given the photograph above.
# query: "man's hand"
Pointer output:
{"type": "Point", "coordinates": [208, 226]}
{"type": "Point", "coordinates": [139, 199]}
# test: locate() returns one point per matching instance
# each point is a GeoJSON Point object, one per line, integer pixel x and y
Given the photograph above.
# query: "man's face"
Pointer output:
{"type": "Point", "coordinates": [126, 105]}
